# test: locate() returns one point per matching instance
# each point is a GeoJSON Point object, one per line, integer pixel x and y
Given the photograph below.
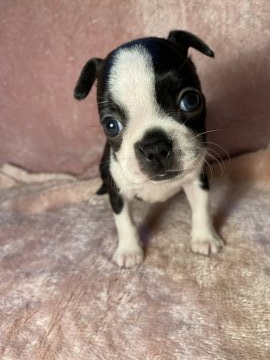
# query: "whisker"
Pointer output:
{"type": "Point", "coordinates": [183, 64]}
{"type": "Point", "coordinates": [220, 166]}
{"type": "Point", "coordinates": [206, 132]}
{"type": "Point", "coordinates": [103, 102]}
{"type": "Point", "coordinates": [104, 163]}
{"type": "Point", "coordinates": [218, 154]}
{"type": "Point", "coordinates": [221, 147]}
{"type": "Point", "coordinates": [210, 168]}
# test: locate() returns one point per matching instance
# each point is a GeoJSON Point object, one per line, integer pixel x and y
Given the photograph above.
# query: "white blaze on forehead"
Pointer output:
{"type": "Point", "coordinates": [132, 81]}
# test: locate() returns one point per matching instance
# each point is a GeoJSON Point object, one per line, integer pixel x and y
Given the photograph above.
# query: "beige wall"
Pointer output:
{"type": "Point", "coordinates": [44, 43]}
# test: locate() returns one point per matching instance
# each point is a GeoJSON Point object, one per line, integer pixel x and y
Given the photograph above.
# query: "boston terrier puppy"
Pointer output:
{"type": "Point", "coordinates": [153, 111]}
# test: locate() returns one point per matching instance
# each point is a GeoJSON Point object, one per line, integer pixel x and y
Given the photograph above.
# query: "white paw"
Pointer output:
{"type": "Point", "coordinates": [128, 257]}
{"type": "Point", "coordinates": [207, 245]}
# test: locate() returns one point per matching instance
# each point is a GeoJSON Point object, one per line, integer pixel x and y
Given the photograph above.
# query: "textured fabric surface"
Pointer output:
{"type": "Point", "coordinates": [61, 297]}
{"type": "Point", "coordinates": [45, 43]}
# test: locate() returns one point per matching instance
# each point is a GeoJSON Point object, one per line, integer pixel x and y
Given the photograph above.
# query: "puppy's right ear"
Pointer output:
{"type": "Point", "coordinates": [87, 78]}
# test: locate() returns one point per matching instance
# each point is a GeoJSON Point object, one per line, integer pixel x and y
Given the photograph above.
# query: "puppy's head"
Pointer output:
{"type": "Point", "coordinates": [151, 106]}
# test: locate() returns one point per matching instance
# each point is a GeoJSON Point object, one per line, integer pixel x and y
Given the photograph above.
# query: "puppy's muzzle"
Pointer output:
{"type": "Point", "coordinates": [155, 154]}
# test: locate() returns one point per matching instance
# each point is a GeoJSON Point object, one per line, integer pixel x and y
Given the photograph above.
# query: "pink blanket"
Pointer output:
{"type": "Point", "coordinates": [61, 297]}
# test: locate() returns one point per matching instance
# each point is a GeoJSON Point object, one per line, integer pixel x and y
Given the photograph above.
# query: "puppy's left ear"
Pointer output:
{"type": "Point", "coordinates": [185, 39]}
{"type": "Point", "coordinates": [87, 78]}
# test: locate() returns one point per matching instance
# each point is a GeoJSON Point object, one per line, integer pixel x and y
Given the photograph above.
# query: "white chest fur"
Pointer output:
{"type": "Point", "coordinates": [147, 190]}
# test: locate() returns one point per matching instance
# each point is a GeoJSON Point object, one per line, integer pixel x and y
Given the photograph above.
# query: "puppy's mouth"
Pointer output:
{"type": "Point", "coordinates": [165, 175]}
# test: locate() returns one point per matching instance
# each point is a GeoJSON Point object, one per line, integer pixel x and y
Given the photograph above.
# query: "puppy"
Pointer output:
{"type": "Point", "coordinates": [153, 111]}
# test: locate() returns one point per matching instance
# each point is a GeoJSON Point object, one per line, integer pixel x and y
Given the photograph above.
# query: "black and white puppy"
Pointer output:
{"type": "Point", "coordinates": [153, 111]}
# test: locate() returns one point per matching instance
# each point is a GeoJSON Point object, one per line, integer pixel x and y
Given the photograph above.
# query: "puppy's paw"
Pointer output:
{"type": "Point", "coordinates": [207, 245]}
{"type": "Point", "coordinates": [126, 257]}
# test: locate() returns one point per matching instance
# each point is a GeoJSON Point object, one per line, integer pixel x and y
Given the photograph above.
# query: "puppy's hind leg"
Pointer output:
{"type": "Point", "coordinates": [129, 251]}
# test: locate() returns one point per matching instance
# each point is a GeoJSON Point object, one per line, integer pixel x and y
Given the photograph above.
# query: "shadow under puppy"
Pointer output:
{"type": "Point", "coordinates": [153, 111]}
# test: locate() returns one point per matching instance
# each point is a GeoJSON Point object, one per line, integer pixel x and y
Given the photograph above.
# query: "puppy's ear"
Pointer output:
{"type": "Point", "coordinates": [87, 78]}
{"type": "Point", "coordinates": [185, 40]}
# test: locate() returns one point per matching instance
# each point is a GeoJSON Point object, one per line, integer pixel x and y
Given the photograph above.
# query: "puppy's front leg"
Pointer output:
{"type": "Point", "coordinates": [129, 251]}
{"type": "Point", "coordinates": [204, 239]}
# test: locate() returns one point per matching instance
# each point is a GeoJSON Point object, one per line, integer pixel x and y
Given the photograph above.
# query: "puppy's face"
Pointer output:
{"type": "Point", "coordinates": [152, 110]}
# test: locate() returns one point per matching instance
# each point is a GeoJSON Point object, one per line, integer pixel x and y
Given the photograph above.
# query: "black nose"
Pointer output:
{"type": "Point", "coordinates": [155, 153]}
{"type": "Point", "coordinates": [155, 147]}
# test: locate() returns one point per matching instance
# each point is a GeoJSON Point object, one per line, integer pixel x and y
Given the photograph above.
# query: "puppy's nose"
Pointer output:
{"type": "Point", "coordinates": [155, 147]}
{"type": "Point", "coordinates": [158, 152]}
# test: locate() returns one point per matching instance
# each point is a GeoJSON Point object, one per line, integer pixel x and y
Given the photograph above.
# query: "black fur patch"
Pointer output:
{"type": "Point", "coordinates": [104, 169]}
{"type": "Point", "coordinates": [204, 182]}
{"type": "Point", "coordinates": [116, 200]}
{"type": "Point", "coordinates": [108, 185]}
{"type": "Point", "coordinates": [173, 73]}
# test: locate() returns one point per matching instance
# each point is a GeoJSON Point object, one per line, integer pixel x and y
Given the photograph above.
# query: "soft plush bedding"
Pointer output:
{"type": "Point", "coordinates": [61, 297]}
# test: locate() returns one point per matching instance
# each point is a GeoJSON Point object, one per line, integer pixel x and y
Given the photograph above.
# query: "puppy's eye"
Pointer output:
{"type": "Point", "coordinates": [112, 127]}
{"type": "Point", "coordinates": [190, 101]}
